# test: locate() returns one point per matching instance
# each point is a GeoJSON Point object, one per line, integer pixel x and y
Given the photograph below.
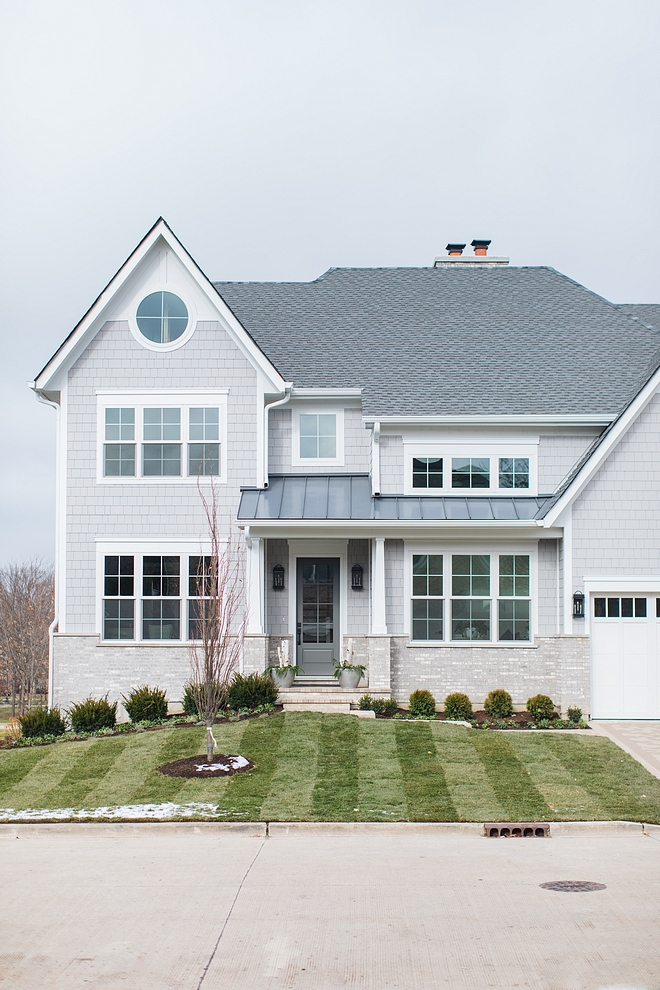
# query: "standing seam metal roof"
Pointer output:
{"type": "Point", "coordinates": [440, 341]}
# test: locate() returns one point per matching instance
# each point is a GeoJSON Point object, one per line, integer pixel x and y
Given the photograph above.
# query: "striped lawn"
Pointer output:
{"type": "Point", "coordinates": [336, 767]}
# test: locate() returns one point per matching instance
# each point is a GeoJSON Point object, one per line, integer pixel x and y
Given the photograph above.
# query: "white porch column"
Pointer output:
{"type": "Point", "coordinates": [568, 571]}
{"type": "Point", "coordinates": [255, 585]}
{"type": "Point", "coordinates": [378, 620]}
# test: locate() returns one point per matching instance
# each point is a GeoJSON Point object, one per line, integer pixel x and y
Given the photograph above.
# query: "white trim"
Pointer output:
{"type": "Point", "coordinates": [98, 313]}
{"type": "Point", "coordinates": [604, 449]}
{"type": "Point", "coordinates": [255, 586]}
{"type": "Point", "coordinates": [317, 410]}
{"type": "Point", "coordinates": [597, 419]}
{"type": "Point", "coordinates": [621, 585]}
{"type": "Point", "coordinates": [327, 393]}
{"type": "Point", "coordinates": [568, 572]}
{"type": "Point", "coordinates": [375, 459]}
{"type": "Point", "coordinates": [494, 551]}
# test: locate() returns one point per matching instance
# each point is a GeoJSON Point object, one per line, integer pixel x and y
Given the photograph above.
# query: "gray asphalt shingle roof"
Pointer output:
{"type": "Point", "coordinates": [439, 341]}
{"type": "Point", "coordinates": [648, 313]}
{"type": "Point", "coordinates": [349, 497]}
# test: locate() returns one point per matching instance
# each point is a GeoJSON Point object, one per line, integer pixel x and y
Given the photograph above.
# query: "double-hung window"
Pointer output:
{"type": "Point", "coordinates": [164, 457]}
{"type": "Point", "coordinates": [119, 446]}
{"type": "Point", "coordinates": [427, 601]}
{"type": "Point", "coordinates": [161, 602]}
{"type": "Point", "coordinates": [470, 589]}
{"type": "Point", "coordinates": [204, 448]}
{"type": "Point", "coordinates": [514, 597]}
{"type": "Point", "coordinates": [118, 598]}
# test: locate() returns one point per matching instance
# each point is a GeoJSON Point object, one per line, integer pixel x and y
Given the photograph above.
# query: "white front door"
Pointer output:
{"type": "Point", "coordinates": [624, 656]}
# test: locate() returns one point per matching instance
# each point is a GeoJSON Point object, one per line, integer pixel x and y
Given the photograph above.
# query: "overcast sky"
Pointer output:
{"type": "Point", "coordinates": [280, 138]}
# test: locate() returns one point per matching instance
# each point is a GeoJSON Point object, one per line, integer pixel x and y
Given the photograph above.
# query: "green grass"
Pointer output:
{"type": "Point", "coordinates": [337, 767]}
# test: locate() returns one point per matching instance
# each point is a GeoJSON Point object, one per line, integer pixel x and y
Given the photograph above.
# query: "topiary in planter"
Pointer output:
{"type": "Point", "coordinates": [498, 704]}
{"type": "Point", "coordinates": [145, 704]}
{"type": "Point", "coordinates": [540, 706]}
{"type": "Point", "coordinates": [458, 707]}
{"type": "Point", "coordinates": [92, 714]}
{"type": "Point", "coordinates": [422, 704]}
{"type": "Point", "coordinates": [41, 722]}
{"type": "Point", "coordinates": [251, 691]}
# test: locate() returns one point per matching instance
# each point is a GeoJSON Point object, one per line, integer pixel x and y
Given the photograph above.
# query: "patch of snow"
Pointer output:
{"type": "Point", "coordinates": [156, 811]}
{"type": "Point", "coordinates": [233, 763]}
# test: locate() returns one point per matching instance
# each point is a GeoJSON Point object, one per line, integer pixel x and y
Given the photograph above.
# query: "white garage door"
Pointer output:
{"type": "Point", "coordinates": [624, 656]}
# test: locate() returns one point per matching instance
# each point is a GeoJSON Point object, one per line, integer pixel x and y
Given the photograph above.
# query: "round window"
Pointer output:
{"type": "Point", "coordinates": [162, 317]}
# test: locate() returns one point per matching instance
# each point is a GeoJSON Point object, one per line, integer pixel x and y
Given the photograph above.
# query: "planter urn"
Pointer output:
{"type": "Point", "coordinates": [283, 681]}
{"type": "Point", "coordinates": [349, 679]}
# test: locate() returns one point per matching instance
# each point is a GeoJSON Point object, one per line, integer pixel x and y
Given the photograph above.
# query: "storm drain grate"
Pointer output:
{"type": "Point", "coordinates": [577, 886]}
{"type": "Point", "coordinates": [517, 830]}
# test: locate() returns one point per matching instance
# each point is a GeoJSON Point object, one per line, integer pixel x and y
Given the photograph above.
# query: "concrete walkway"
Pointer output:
{"type": "Point", "coordinates": [640, 739]}
{"type": "Point", "coordinates": [202, 907]}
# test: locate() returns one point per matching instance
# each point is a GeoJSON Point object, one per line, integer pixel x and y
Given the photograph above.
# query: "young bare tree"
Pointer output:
{"type": "Point", "coordinates": [221, 619]}
{"type": "Point", "coordinates": [26, 611]}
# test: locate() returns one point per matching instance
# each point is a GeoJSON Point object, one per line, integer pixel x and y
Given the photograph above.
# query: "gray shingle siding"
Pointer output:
{"type": "Point", "coordinates": [437, 341]}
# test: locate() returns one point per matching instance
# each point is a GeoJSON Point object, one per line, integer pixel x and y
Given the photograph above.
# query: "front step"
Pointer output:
{"type": "Point", "coordinates": [319, 698]}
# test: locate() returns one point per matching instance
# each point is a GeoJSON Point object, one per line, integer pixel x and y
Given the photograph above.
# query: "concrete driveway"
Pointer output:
{"type": "Point", "coordinates": [202, 908]}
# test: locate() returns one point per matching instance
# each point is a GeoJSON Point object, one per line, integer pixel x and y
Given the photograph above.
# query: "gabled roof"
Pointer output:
{"type": "Point", "coordinates": [441, 341]}
{"type": "Point", "coordinates": [84, 331]}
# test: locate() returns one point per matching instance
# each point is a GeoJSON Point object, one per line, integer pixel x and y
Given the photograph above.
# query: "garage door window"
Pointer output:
{"type": "Point", "coordinates": [615, 608]}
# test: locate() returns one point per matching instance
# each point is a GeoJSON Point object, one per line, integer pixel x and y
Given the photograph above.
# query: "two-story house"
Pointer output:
{"type": "Point", "coordinates": [449, 474]}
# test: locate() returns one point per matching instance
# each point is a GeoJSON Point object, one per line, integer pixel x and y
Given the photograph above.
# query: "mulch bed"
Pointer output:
{"type": "Point", "coordinates": [188, 767]}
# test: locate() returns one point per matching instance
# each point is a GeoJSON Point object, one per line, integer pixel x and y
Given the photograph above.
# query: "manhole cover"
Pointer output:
{"type": "Point", "coordinates": [572, 885]}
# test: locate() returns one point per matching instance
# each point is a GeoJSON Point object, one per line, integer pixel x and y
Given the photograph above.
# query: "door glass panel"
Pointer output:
{"type": "Point", "coordinates": [318, 604]}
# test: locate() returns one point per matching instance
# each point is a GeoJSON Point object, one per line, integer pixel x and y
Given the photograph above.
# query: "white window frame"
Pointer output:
{"type": "Point", "coordinates": [139, 399]}
{"type": "Point", "coordinates": [184, 295]}
{"type": "Point", "coordinates": [317, 410]}
{"type": "Point", "coordinates": [138, 549]}
{"type": "Point", "coordinates": [494, 550]}
{"type": "Point", "coordinates": [447, 451]}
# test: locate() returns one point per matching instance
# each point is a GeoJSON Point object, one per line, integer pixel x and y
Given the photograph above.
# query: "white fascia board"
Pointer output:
{"type": "Point", "coordinates": [393, 528]}
{"type": "Point", "coordinates": [326, 393]}
{"type": "Point", "coordinates": [603, 450]}
{"type": "Point", "coordinates": [595, 419]}
{"type": "Point", "coordinates": [78, 339]}
{"type": "Point", "coordinates": [624, 583]}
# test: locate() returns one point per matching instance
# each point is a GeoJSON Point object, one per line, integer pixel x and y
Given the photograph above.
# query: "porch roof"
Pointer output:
{"type": "Point", "coordinates": [348, 496]}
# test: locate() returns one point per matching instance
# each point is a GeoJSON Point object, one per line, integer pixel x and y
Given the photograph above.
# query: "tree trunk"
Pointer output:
{"type": "Point", "coordinates": [209, 744]}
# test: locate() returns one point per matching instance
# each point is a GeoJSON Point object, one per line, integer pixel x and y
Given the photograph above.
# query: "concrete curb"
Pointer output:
{"type": "Point", "coordinates": [562, 829]}
{"type": "Point", "coordinates": [278, 829]}
{"type": "Point", "coordinates": [9, 830]}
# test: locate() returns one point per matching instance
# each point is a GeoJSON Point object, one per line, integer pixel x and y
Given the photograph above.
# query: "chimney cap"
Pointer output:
{"type": "Point", "coordinates": [483, 244]}
{"type": "Point", "coordinates": [455, 249]}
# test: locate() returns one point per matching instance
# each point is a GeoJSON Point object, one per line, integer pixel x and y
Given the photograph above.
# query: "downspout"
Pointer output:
{"type": "Point", "coordinates": [288, 386]}
{"type": "Point", "coordinates": [54, 624]}
{"type": "Point", "coordinates": [375, 460]}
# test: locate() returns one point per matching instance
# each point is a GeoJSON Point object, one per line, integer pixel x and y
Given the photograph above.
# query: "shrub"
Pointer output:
{"type": "Point", "coordinates": [540, 706]}
{"type": "Point", "coordinates": [91, 715]}
{"type": "Point", "coordinates": [369, 704]}
{"type": "Point", "coordinates": [498, 704]}
{"type": "Point", "coordinates": [145, 704]}
{"type": "Point", "coordinates": [189, 703]}
{"type": "Point", "coordinates": [422, 704]}
{"type": "Point", "coordinates": [41, 722]}
{"type": "Point", "coordinates": [458, 706]}
{"type": "Point", "coordinates": [574, 715]}
{"type": "Point", "coordinates": [390, 706]}
{"type": "Point", "coordinates": [251, 691]}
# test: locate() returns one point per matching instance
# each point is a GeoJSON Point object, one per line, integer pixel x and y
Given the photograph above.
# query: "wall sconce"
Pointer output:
{"type": "Point", "coordinates": [278, 578]}
{"type": "Point", "coordinates": [356, 577]}
{"type": "Point", "coordinates": [578, 605]}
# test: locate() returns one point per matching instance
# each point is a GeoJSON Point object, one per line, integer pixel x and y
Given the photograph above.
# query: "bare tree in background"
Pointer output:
{"type": "Point", "coordinates": [221, 618]}
{"type": "Point", "coordinates": [26, 611]}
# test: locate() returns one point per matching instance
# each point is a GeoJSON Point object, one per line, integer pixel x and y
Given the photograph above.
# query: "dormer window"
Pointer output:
{"type": "Point", "coordinates": [514, 472]}
{"type": "Point", "coordinates": [427, 472]}
{"type": "Point", "coordinates": [318, 435]}
{"type": "Point", "coordinates": [470, 472]}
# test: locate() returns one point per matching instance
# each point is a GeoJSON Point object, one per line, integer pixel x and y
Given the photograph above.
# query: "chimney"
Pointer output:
{"type": "Point", "coordinates": [480, 248]}
{"type": "Point", "coordinates": [456, 250]}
